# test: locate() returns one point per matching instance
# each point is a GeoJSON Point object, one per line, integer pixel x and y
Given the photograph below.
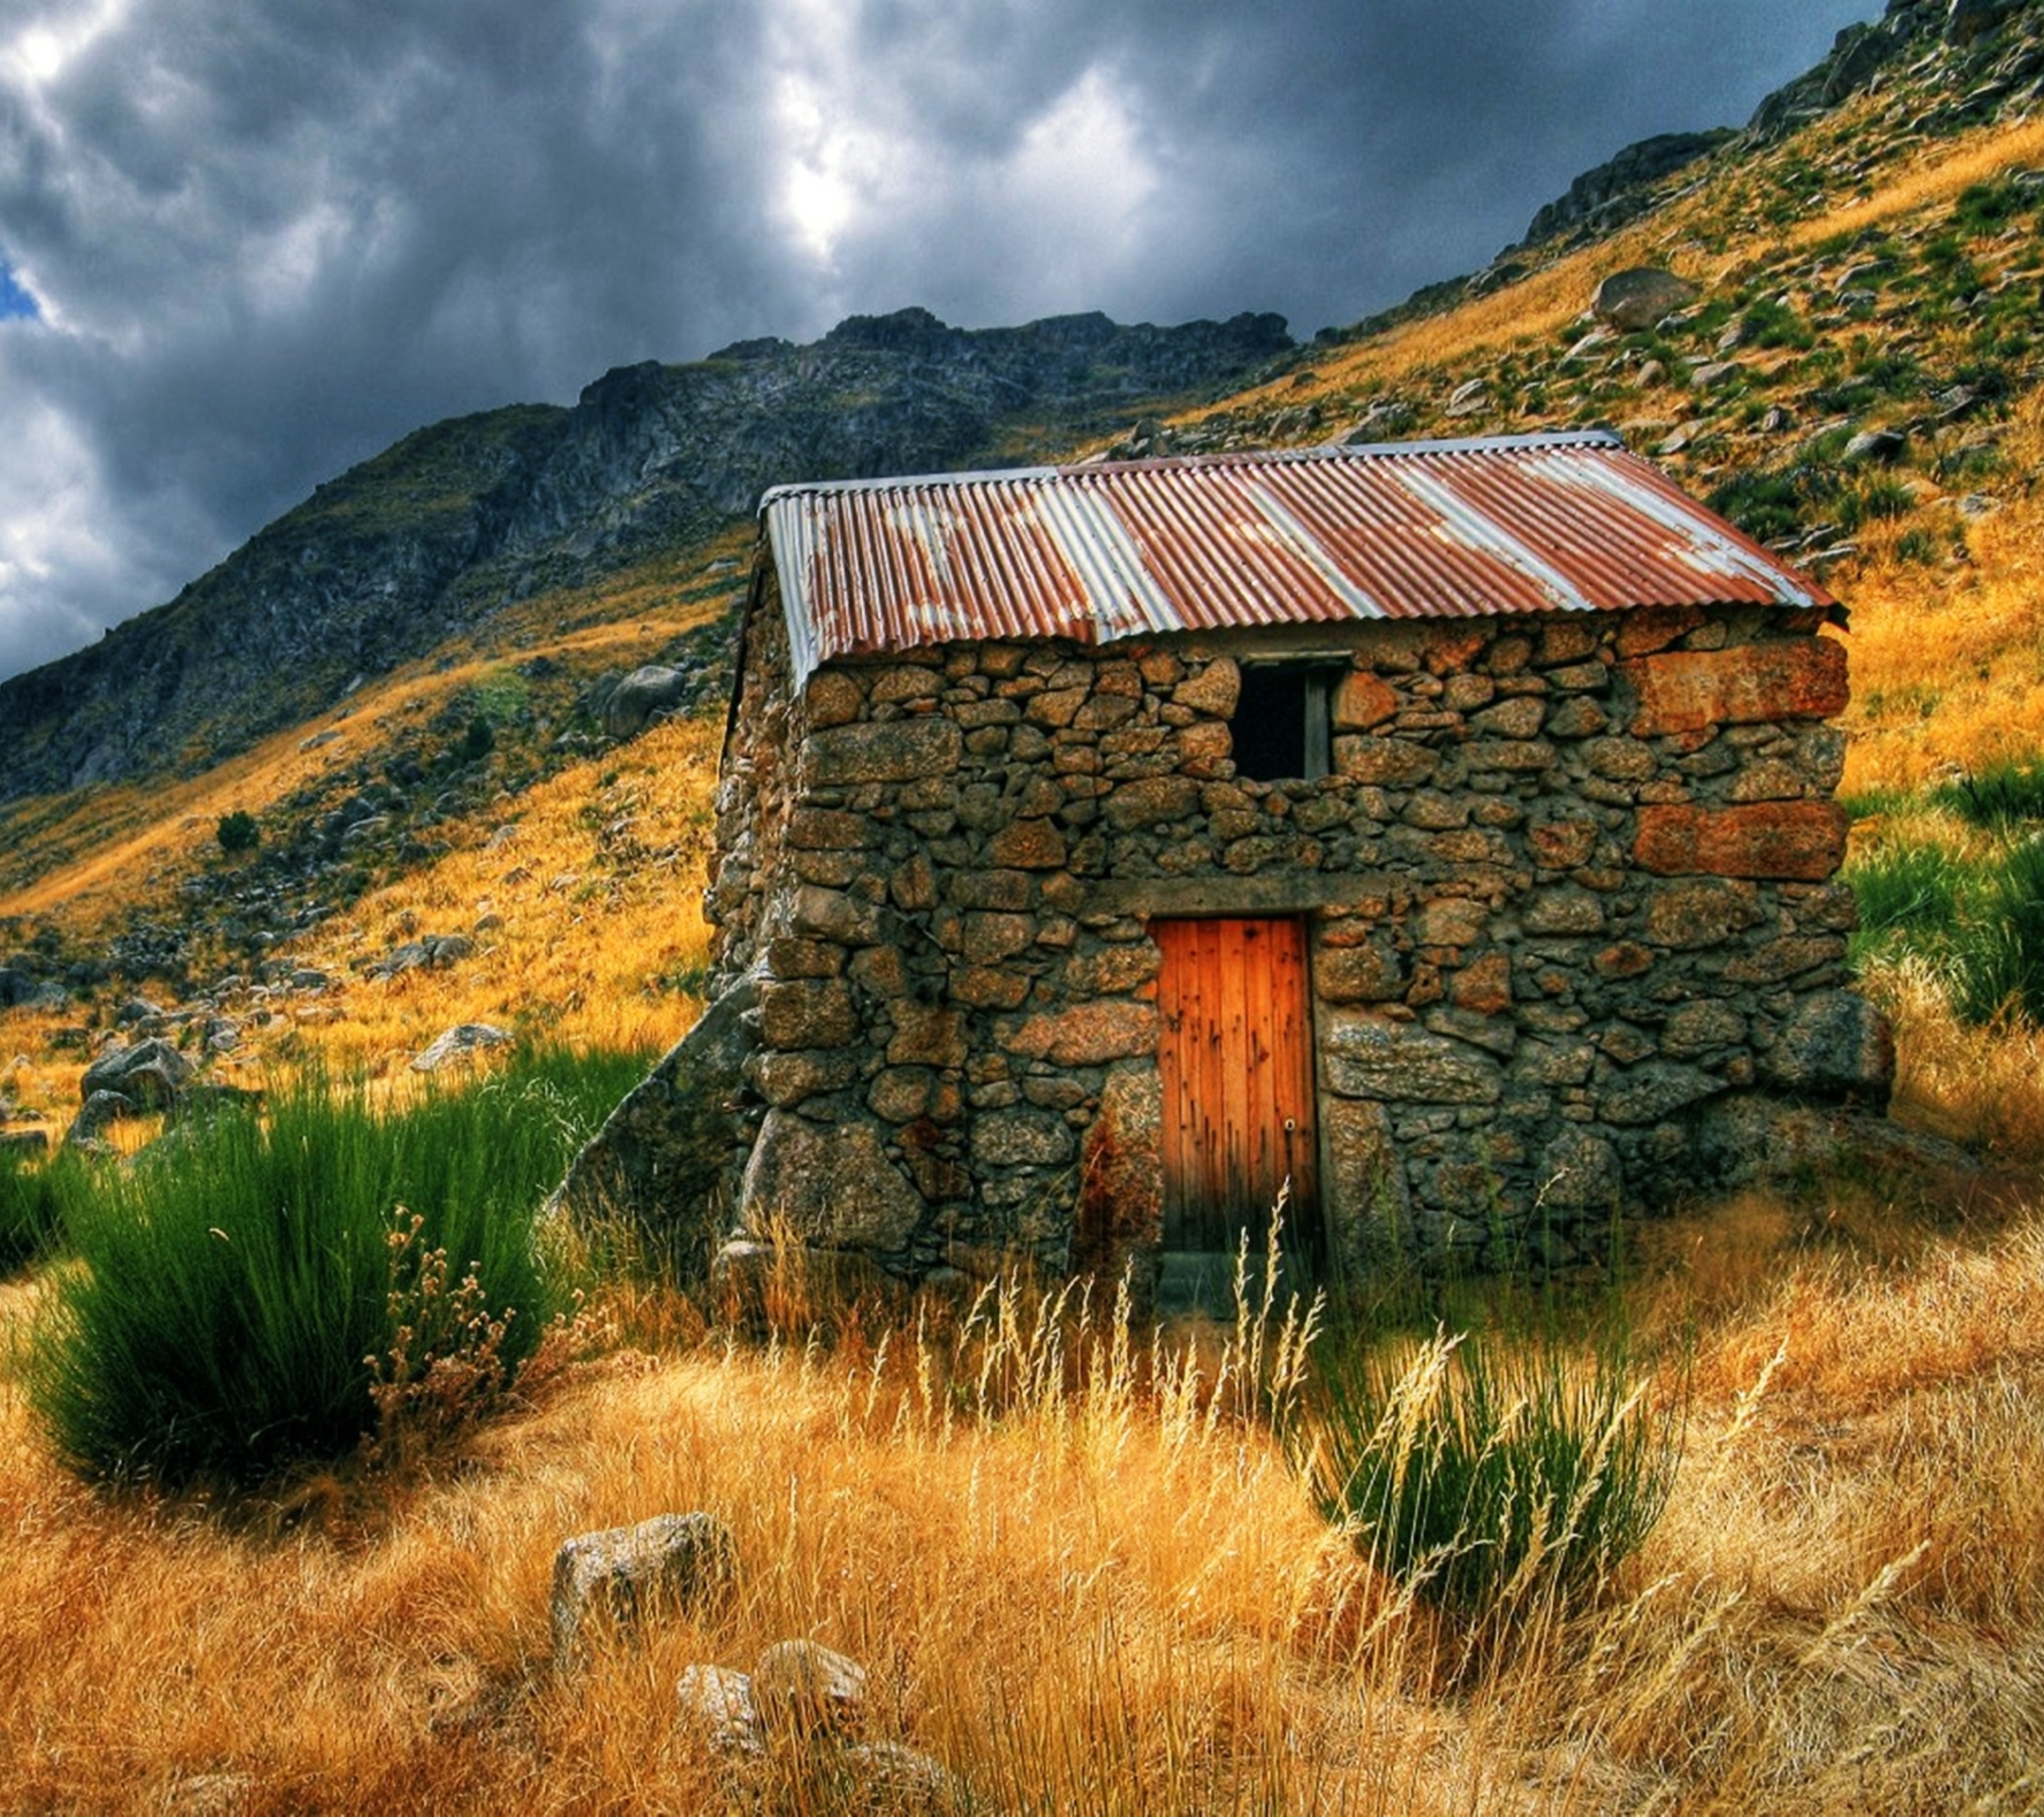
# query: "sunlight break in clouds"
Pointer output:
{"type": "Point", "coordinates": [1069, 192]}
{"type": "Point", "coordinates": [42, 48]}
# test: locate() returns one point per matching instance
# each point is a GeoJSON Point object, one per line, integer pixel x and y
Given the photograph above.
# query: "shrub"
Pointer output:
{"type": "Point", "coordinates": [1772, 323]}
{"type": "Point", "coordinates": [1772, 504]}
{"type": "Point", "coordinates": [244, 1294]}
{"type": "Point", "coordinates": [1988, 207]}
{"type": "Point", "coordinates": [237, 833]}
{"type": "Point", "coordinates": [1489, 1476]}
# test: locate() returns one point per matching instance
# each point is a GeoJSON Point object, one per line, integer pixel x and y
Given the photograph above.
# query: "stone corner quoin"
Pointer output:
{"type": "Point", "coordinates": [1567, 891]}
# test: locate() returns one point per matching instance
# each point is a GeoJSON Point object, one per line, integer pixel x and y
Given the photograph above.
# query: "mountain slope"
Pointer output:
{"type": "Point", "coordinates": [437, 535]}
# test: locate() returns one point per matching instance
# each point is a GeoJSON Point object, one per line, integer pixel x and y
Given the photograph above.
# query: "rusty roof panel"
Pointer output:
{"type": "Point", "coordinates": [1534, 523]}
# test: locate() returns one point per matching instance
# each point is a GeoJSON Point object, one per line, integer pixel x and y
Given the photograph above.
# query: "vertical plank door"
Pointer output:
{"type": "Point", "coordinates": [1236, 1057]}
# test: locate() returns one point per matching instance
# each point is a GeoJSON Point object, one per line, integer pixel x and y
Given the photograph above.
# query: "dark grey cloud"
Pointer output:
{"type": "Point", "coordinates": [253, 244]}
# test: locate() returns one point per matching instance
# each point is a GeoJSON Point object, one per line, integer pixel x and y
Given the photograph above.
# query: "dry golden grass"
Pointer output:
{"type": "Point", "coordinates": [1947, 663]}
{"type": "Point", "coordinates": [1102, 1597]}
{"type": "Point", "coordinates": [585, 908]}
{"type": "Point", "coordinates": [1935, 175]}
{"type": "Point", "coordinates": [102, 854]}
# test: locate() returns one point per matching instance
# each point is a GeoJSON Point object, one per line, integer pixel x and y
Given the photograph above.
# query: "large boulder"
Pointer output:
{"type": "Point", "coordinates": [828, 1184]}
{"type": "Point", "coordinates": [150, 1073]}
{"type": "Point", "coordinates": [1635, 299]}
{"type": "Point", "coordinates": [639, 698]}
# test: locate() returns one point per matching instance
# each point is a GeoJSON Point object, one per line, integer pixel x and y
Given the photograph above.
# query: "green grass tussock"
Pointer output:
{"type": "Point", "coordinates": [1975, 916]}
{"type": "Point", "coordinates": [33, 1195]}
{"type": "Point", "coordinates": [1491, 1475]}
{"type": "Point", "coordinates": [256, 1292]}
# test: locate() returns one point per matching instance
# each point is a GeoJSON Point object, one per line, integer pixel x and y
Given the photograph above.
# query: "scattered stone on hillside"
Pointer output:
{"type": "Point", "coordinates": [1882, 446]}
{"type": "Point", "coordinates": [627, 705]}
{"type": "Point", "coordinates": [459, 1043]}
{"type": "Point", "coordinates": [20, 991]}
{"type": "Point", "coordinates": [1147, 439]}
{"type": "Point", "coordinates": [25, 1141]}
{"type": "Point", "coordinates": [101, 1111]}
{"type": "Point", "coordinates": [150, 1072]}
{"type": "Point", "coordinates": [625, 1573]}
{"type": "Point", "coordinates": [137, 1009]}
{"type": "Point", "coordinates": [1468, 398]}
{"type": "Point", "coordinates": [429, 952]}
{"type": "Point", "coordinates": [1636, 299]}
{"type": "Point", "coordinates": [1713, 373]}
{"type": "Point", "coordinates": [719, 1701]}
{"type": "Point", "coordinates": [1777, 421]}
{"type": "Point", "coordinates": [1386, 419]}
{"type": "Point", "coordinates": [804, 1690]}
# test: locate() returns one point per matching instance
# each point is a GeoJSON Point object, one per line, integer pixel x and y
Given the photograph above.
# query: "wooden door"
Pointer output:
{"type": "Point", "coordinates": [1236, 1054]}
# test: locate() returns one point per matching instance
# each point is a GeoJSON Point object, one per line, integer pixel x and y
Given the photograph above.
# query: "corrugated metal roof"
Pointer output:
{"type": "Point", "coordinates": [1528, 523]}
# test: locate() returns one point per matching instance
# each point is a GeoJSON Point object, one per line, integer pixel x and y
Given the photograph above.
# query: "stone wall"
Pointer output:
{"type": "Point", "coordinates": [1568, 892]}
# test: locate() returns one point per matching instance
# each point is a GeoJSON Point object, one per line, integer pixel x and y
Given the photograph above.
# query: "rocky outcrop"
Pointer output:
{"type": "Point", "coordinates": [1620, 189]}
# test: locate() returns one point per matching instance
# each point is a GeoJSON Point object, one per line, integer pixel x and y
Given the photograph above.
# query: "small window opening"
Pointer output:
{"type": "Point", "coordinates": [1281, 724]}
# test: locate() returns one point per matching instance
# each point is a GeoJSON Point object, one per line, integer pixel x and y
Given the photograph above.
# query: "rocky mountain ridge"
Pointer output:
{"type": "Point", "coordinates": [427, 541]}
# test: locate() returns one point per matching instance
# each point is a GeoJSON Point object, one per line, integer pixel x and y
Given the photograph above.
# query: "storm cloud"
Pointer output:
{"type": "Point", "coordinates": [242, 247]}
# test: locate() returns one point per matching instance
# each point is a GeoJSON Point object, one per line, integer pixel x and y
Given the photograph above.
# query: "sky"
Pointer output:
{"type": "Point", "coordinates": [243, 247]}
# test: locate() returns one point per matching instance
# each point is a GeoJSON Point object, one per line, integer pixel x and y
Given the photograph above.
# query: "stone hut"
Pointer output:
{"type": "Point", "coordinates": [1439, 837]}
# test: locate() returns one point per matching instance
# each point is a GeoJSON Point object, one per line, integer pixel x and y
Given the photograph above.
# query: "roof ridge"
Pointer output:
{"type": "Point", "coordinates": [1076, 471]}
